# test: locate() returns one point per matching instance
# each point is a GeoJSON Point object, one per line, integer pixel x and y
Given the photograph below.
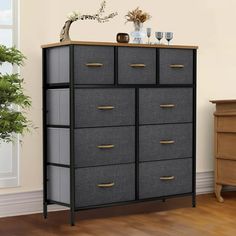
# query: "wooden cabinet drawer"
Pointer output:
{"type": "Point", "coordinates": [176, 66]}
{"type": "Point", "coordinates": [164, 178]}
{"type": "Point", "coordinates": [105, 184]}
{"type": "Point", "coordinates": [136, 65]}
{"type": "Point", "coordinates": [58, 107]}
{"type": "Point", "coordinates": [165, 105]}
{"type": "Point", "coordinates": [93, 65]}
{"type": "Point", "coordinates": [104, 146]}
{"type": "Point", "coordinates": [226, 173]}
{"type": "Point", "coordinates": [104, 107]}
{"type": "Point", "coordinates": [226, 124]}
{"type": "Point", "coordinates": [226, 145]}
{"type": "Point", "coordinates": [159, 142]}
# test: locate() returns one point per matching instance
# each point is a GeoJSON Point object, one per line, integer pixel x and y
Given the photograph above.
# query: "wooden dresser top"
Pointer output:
{"type": "Point", "coordinates": [223, 101]}
{"type": "Point", "coordinates": [118, 44]}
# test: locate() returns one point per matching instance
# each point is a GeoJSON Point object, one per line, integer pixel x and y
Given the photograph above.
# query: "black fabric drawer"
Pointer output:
{"type": "Point", "coordinates": [165, 105]}
{"type": "Point", "coordinates": [176, 66]}
{"type": "Point", "coordinates": [93, 65]}
{"type": "Point", "coordinates": [158, 142]}
{"type": "Point", "coordinates": [88, 192]}
{"type": "Point", "coordinates": [104, 146]}
{"type": "Point", "coordinates": [164, 178]}
{"type": "Point", "coordinates": [136, 65]}
{"type": "Point", "coordinates": [104, 107]}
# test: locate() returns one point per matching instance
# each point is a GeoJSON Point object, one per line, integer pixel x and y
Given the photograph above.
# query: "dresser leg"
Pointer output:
{"type": "Point", "coordinates": [45, 210]}
{"type": "Point", "coordinates": [218, 188]}
{"type": "Point", "coordinates": [194, 200]}
{"type": "Point", "coordinates": [72, 217]}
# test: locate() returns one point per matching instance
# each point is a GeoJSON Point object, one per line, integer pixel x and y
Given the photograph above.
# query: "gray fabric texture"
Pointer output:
{"type": "Point", "coordinates": [88, 154]}
{"type": "Point", "coordinates": [59, 184]}
{"type": "Point", "coordinates": [58, 145]}
{"type": "Point", "coordinates": [151, 135]}
{"type": "Point", "coordinates": [150, 100]}
{"type": "Point", "coordinates": [130, 55]}
{"type": "Point", "coordinates": [88, 193]}
{"type": "Point", "coordinates": [58, 107]}
{"type": "Point", "coordinates": [94, 75]}
{"type": "Point", "coordinates": [58, 69]}
{"type": "Point", "coordinates": [87, 101]}
{"type": "Point", "coordinates": [150, 184]}
{"type": "Point", "coordinates": [176, 75]}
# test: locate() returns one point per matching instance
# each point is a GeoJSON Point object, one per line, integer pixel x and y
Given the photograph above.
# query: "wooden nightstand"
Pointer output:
{"type": "Point", "coordinates": [225, 145]}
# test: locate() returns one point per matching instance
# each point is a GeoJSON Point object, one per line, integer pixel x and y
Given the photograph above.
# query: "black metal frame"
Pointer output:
{"type": "Point", "coordinates": [71, 86]}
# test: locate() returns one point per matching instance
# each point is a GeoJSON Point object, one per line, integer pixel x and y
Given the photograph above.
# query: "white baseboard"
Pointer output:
{"type": "Point", "coordinates": [32, 202]}
{"type": "Point", "coordinates": [204, 182]}
{"type": "Point", "coordinates": [24, 203]}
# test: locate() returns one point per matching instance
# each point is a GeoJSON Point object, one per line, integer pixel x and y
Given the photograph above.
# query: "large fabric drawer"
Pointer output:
{"type": "Point", "coordinates": [105, 184]}
{"type": "Point", "coordinates": [169, 141]}
{"type": "Point", "coordinates": [104, 146]}
{"type": "Point", "coordinates": [164, 178]}
{"type": "Point", "coordinates": [136, 65]}
{"type": "Point", "coordinates": [58, 107]}
{"type": "Point", "coordinates": [165, 105]}
{"type": "Point", "coordinates": [104, 107]}
{"type": "Point", "coordinates": [93, 65]}
{"type": "Point", "coordinates": [176, 66]}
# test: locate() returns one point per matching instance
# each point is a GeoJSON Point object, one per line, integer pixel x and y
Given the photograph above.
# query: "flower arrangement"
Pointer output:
{"type": "Point", "coordinates": [137, 16]}
{"type": "Point", "coordinates": [75, 15]}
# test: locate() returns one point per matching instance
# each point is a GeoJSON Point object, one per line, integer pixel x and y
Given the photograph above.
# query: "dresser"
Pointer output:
{"type": "Point", "coordinates": [119, 123]}
{"type": "Point", "coordinates": [225, 145]}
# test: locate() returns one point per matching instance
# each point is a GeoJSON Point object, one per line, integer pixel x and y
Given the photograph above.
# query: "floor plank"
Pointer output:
{"type": "Point", "coordinates": [209, 218]}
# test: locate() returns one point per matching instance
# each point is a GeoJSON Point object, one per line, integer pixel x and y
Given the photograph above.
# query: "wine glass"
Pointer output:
{"type": "Point", "coordinates": [149, 31]}
{"type": "Point", "coordinates": [159, 36]}
{"type": "Point", "coordinates": [168, 36]}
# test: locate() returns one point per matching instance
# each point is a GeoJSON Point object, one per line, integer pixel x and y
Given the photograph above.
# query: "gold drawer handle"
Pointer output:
{"type": "Point", "coordinates": [106, 146]}
{"type": "Point", "coordinates": [167, 105]}
{"type": "Point", "coordinates": [167, 142]}
{"type": "Point", "coordinates": [106, 185]}
{"type": "Point", "coordinates": [95, 64]}
{"type": "Point", "coordinates": [167, 177]}
{"type": "Point", "coordinates": [176, 66]}
{"type": "Point", "coordinates": [137, 65]}
{"type": "Point", "coordinates": [105, 107]}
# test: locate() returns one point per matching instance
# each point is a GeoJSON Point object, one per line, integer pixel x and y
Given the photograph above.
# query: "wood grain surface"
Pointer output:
{"type": "Point", "coordinates": [58, 44]}
{"type": "Point", "coordinates": [209, 218]}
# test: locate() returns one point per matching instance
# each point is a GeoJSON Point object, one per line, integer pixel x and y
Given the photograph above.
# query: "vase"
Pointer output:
{"type": "Point", "coordinates": [65, 32]}
{"type": "Point", "coordinates": [138, 34]}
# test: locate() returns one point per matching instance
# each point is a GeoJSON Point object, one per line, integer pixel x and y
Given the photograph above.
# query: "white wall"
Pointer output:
{"type": "Point", "coordinates": [210, 24]}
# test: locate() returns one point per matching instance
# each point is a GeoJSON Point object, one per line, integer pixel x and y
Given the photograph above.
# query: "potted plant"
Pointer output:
{"type": "Point", "coordinates": [13, 100]}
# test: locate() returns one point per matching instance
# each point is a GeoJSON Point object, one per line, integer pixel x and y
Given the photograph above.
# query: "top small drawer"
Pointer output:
{"type": "Point", "coordinates": [94, 65]}
{"type": "Point", "coordinates": [136, 65]}
{"type": "Point", "coordinates": [176, 66]}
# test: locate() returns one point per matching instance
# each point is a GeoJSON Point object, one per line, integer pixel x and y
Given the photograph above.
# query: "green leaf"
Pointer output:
{"type": "Point", "coordinates": [12, 94]}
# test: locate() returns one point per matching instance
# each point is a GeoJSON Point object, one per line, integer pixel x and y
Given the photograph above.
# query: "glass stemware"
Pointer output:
{"type": "Point", "coordinates": [159, 36]}
{"type": "Point", "coordinates": [168, 36]}
{"type": "Point", "coordinates": [149, 31]}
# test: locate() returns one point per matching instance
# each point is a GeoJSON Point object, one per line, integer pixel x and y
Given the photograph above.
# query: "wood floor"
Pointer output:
{"type": "Point", "coordinates": [207, 219]}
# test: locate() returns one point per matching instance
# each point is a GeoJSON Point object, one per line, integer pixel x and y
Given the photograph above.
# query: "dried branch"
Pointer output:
{"type": "Point", "coordinates": [137, 16]}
